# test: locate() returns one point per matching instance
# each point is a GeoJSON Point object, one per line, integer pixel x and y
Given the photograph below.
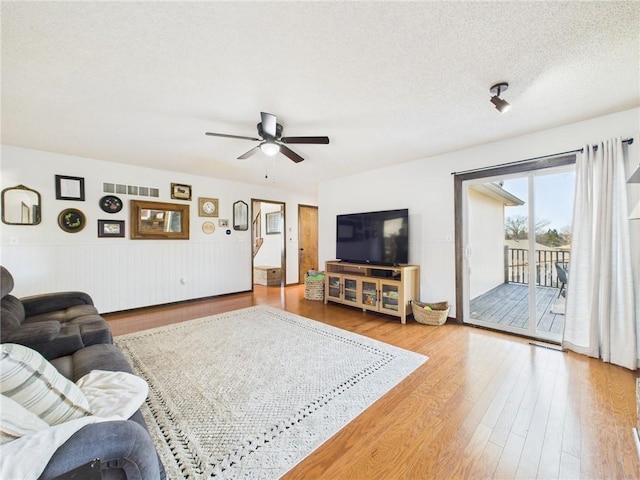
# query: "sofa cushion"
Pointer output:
{"type": "Point", "coordinates": [64, 314]}
{"type": "Point", "coordinates": [30, 380]}
{"type": "Point", "coordinates": [94, 357]}
{"type": "Point", "coordinates": [16, 421]}
{"type": "Point", "coordinates": [93, 329]}
{"type": "Point", "coordinates": [66, 342]}
{"type": "Point", "coordinates": [30, 334]}
{"type": "Point", "coordinates": [12, 312]}
{"type": "Point", "coordinates": [6, 282]}
{"type": "Point", "coordinates": [64, 365]}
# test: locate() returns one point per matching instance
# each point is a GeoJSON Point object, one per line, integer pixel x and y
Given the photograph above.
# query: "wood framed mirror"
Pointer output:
{"type": "Point", "coordinates": [20, 206]}
{"type": "Point", "coordinates": [240, 216]}
{"type": "Point", "coordinates": [159, 220]}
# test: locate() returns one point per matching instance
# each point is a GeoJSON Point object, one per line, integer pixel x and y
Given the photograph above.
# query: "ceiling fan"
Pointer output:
{"type": "Point", "coordinates": [271, 139]}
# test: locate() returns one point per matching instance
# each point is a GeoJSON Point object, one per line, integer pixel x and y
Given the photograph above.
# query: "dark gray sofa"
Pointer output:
{"type": "Point", "coordinates": [66, 329]}
{"type": "Point", "coordinates": [53, 324]}
{"type": "Point", "coordinates": [124, 448]}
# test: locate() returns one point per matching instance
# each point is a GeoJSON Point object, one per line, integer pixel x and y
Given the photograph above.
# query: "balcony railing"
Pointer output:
{"type": "Point", "coordinates": [516, 266]}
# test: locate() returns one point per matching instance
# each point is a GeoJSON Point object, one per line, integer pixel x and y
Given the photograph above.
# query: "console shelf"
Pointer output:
{"type": "Point", "coordinates": [382, 289]}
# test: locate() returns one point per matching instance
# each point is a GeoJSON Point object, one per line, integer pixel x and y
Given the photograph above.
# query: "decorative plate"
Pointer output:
{"type": "Point", "coordinates": [110, 204]}
{"type": "Point", "coordinates": [208, 227]}
{"type": "Point", "coordinates": [72, 220]}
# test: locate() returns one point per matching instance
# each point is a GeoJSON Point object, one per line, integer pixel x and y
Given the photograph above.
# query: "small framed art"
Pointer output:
{"type": "Point", "coordinates": [72, 220]}
{"type": "Point", "coordinates": [180, 191]}
{"type": "Point", "coordinates": [273, 222]}
{"type": "Point", "coordinates": [207, 207]}
{"type": "Point", "coordinates": [69, 188]}
{"type": "Point", "coordinates": [110, 228]}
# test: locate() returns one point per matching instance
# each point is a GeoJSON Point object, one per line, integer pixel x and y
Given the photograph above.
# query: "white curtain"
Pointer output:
{"type": "Point", "coordinates": [600, 310]}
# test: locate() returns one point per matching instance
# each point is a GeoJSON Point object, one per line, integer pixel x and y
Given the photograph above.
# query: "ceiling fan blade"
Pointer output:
{"type": "Point", "coordinates": [232, 136]}
{"type": "Point", "coordinates": [249, 153]}
{"type": "Point", "coordinates": [269, 122]}
{"type": "Point", "coordinates": [318, 140]}
{"type": "Point", "coordinates": [290, 153]}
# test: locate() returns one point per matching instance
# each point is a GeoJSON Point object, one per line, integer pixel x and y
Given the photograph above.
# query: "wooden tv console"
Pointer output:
{"type": "Point", "coordinates": [370, 287]}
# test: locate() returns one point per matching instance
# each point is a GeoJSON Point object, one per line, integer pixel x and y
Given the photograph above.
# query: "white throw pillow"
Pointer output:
{"type": "Point", "coordinates": [31, 381]}
{"type": "Point", "coordinates": [16, 421]}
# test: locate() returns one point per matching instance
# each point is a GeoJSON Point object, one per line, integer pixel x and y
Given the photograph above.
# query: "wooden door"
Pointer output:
{"type": "Point", "coordinates": [307, 240]}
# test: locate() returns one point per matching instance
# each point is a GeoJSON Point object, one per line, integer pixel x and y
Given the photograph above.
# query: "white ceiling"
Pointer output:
{"type": "Point", "coordinates": [389, 82]}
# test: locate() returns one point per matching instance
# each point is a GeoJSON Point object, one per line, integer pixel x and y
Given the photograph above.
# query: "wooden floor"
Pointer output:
{"type": "Point", "coordinates": [485, 405]}
{"type": "Point", "coordinates": [507, 304]}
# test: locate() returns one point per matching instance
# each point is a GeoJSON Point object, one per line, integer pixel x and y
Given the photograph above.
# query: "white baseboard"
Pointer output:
{"type": "Point", "coordinates": [636, 438]}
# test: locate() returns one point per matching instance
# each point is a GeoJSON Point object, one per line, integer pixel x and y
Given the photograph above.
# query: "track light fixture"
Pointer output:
{"type": "Point", "coordinates": [501, 105]}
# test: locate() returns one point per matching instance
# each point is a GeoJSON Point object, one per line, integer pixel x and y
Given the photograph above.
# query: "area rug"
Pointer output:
{"type": "Point", "coordinates": [250, 393]}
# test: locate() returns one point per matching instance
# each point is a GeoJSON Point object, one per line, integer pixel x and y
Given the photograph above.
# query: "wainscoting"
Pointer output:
{"type": "Point", "coordinates": [130, 274]}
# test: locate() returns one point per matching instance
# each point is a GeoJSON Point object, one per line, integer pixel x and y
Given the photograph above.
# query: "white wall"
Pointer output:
{"type": "Point", "coordinates": [486, 234]}
{"type": "Point", "coordinates": [425, 187]}
{"type": "Point", "coordinates": [120, 273]}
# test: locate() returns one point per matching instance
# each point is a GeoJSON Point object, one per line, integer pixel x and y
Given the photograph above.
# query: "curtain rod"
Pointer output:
{"type": "Point", "coordinates": [473, 170]}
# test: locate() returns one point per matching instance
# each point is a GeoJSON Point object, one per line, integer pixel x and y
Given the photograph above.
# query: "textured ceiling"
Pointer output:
{"type": "Point", "coordinates": [388, 82]}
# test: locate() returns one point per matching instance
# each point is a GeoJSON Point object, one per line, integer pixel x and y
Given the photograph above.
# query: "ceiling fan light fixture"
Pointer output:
{"type": "Point", "coordinates": [270, 148]}
{"type": "Point", "coordinates": [271, 140]}
{"type": "Point", "coordinates": [501, 104]}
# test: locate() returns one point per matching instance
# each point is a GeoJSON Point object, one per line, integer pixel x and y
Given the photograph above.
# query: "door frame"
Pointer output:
{"type": "Point", "coordinates": [459, 178]}
{"type": "Point", "coordinates": [283, 250]}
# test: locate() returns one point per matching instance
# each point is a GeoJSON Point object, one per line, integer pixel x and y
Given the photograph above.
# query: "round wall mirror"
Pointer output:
{"type": "Point", "coordinates": [20, 206]}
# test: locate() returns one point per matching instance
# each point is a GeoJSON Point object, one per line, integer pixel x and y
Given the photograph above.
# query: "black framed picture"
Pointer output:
{"type": "Point", "coordinates": [180, 191]}
{"type": "Point", "coordinates": [69, 188]}
{"type": "Point", "coordinates": [110, 204]}
{"type": "Point", "coordinates": [110, 228]}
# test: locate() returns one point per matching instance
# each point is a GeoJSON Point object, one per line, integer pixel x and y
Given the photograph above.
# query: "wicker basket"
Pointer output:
{"type": "Point", "coordinates": [436, 316]}
{"type": "Point", "coordinates": [314, 288]}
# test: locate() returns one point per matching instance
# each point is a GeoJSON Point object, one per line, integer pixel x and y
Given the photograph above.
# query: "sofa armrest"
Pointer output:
{"type": "Point", "coordinates": [51, 302]}
{"type": "Point", "coordinates": [121, 445]}
{"type": "Point", "coordinates": [31, 333]}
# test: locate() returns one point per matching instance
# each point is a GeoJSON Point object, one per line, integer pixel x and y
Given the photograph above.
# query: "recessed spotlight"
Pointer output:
{"type": "Point", "coordinates": [501, 105]}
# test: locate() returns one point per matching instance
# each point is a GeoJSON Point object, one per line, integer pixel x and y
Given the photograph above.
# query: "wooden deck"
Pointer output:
{"type": "Point", "coordinates": [506, 304]}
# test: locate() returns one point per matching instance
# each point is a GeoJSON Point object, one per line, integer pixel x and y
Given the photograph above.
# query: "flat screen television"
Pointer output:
{"type": "Point", "coordinates": [377, 238]}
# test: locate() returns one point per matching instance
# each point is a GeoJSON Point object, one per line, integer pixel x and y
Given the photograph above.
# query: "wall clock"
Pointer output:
{"type": "Point", "coordinates": [207, 207]}
{"type": "Point", "coordinates": [110, 204]}
{"type": "Point", "coordinates": [208, 227]}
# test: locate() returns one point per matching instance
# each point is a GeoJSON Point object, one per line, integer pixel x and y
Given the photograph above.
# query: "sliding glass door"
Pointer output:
{"type": "Point", "coordinates": [516, 238]}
